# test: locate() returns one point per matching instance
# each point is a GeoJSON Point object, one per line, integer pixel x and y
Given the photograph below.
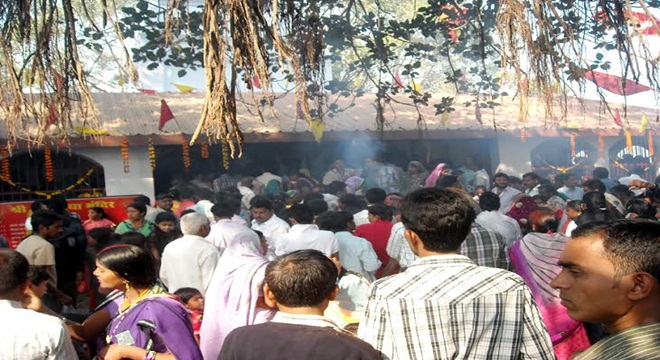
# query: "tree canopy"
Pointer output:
{"type": "Point", "coordinates": [321, 48]}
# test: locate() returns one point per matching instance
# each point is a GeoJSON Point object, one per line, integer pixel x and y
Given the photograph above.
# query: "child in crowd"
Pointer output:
{"type": "Point", "coordinates": [194, 302]}
{"type": "Point", "coordinates": [38, 281]}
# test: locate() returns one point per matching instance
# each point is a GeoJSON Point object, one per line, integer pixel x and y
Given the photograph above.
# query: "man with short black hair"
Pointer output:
{"type": "Point", "coordinates": [570, 187]}
{"type": "Point", "coordinates": [611, 276]}
{"type": "Point", "coordinates": [504, 191]}
{"type": "Point", "coordinates": [27, 334]}
{"type": "Point", "coordinates": [601, 173]}
{"type": "Point", "coordinates": [225, 231]}
{"type": "Point", "coordinates": [300, 285]}
{"type": "Point", "coordinates": [304, 235]}
{"type": "Point", "coordinates": [444, 306]}
{"type": "Point", "coordinates": [265, 220]}
{"type": "Point", "coordinates": [492, 219]}
{"type": "Point", "coordinates": [531, 182]}
{"type": "Point", "coordinates": [372, 196]}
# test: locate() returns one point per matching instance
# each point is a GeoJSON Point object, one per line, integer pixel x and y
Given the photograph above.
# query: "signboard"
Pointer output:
{"type": "Point", "coordinates": [13, 214]}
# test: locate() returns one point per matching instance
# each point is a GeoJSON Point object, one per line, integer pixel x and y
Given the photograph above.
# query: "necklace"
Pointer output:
{"type": "Point", "coordinates": [126, 306]}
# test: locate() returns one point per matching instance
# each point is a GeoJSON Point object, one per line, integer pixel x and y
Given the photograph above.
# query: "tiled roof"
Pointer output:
{"type": "Point", "coordinates": [130, 114]}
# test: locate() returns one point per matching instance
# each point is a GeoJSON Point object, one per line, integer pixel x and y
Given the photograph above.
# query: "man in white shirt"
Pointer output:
{"type": "Point", "coordinates": [571, 189]}
{"type": "Point", "coordinates": [356, 254]}
{"type": "Point", "coordinates": [531, 182]}
{"type": "Point", "coordinates": [27, 334]}
{"type": "Point", "coordinates": [265, 220]}
{"type": "Point", "coordinates": [491, 219]}
{"type": "Point", "coordinates": [304, 235]}
{"type": "Point", "coordinates": [190, 260]}
{"type": "Point", "coordinates": [36, 248]}
{"type": "Point", "coordinates": [224, 231]}
{"type": "Point", "coordinates": [502, 189]}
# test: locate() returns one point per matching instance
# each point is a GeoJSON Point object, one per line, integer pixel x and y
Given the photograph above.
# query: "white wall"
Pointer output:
{"type": "Point", "coordinates": [139, 180]}
{"type": "Point", "coordinates": [515, 155]}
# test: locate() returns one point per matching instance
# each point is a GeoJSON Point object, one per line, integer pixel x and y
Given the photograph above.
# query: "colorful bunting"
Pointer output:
{"type": "Point", "coordinates": [256, 83]}
{"type": "Point", "coordinates": [615, 84]}
{"type": "Point", "coordinates": [147, 91]}
{"type": "Point", "coordinates": [165, 114]}
{"type": "Point", "coordinates": [317, 129]}
{"type": "Point", "coordinates": [644, 124]}
{"type": "Point", "coordinates": [397, 80]}
{"type": "Point", "coordinates": [416, 87]}
{"type": "Point", "coordinates": [617, 118]}
{"type": "Point", "coordinates": [184, 88]}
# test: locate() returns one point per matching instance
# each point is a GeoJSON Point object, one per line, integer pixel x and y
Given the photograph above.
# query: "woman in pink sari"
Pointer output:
{"type": "Point", "coordinates": [534, 258]}
{"type": "Point", "coordinates": [234, 297]}
{"type": "Point", "coordinates": [440, 169]}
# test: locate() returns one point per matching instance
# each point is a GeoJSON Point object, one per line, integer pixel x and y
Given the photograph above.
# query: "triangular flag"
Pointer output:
{"type": "Point", "coordinates": [147, 91]}
{"type": "Point", "coordinates": [617, 118]}
{"type": "Point", "coordinates": [615, 84]}
{"type": "Point", "coordinates": [416, 87]}
{"type": "Point", "coordinates": [317, 130]}
{"type": "Point", "coordinates": [184, 88]}
{"type": "Point", "coordinates": [477, 114]}
{"type": "Point", "coordinates": [645, 123]}
{"type": "Point", "coordinates": [255, 82]}
{"type": "Point", "coordinates": [397, 80]}
{"type": "Point", "coordinates": [165, 114]}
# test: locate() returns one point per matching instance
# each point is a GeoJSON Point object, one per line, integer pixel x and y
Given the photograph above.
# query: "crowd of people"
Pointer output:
{"type": "Point", "coordinates": [373, 263]}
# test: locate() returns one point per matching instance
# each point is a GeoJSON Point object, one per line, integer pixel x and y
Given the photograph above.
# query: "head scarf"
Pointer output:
{"type": "Point", "coordinates": [430, 181]}
{"type": "Point", "coordinates": [272, 188]}
{"type": "Point", "coordinates": [231, 298]}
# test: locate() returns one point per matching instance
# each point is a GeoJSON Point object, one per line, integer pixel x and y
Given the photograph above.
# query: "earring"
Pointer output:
{"type": "Point", "coordinates": [128, 287]}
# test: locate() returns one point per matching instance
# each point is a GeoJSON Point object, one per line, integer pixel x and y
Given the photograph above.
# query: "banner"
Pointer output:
{"type": "Point", "coordinates": [14, 214]}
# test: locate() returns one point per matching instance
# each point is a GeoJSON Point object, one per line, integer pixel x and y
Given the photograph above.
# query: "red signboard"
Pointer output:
{"type": "Point", "coordinates": [13, 214]}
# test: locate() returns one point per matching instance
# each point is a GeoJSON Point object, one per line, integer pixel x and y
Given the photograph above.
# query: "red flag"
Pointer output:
{"type": "Point", "coordinates": [477, 113]}
{"type": "Point", "coordinates": [615, 84]}
{"type": "Point", "coordinates": [165, 114]}
{"type": "Point", "coordinates": [255, 82]}
{"type": "Point", "coordinates": [397, 80]}
{"type": "Point", "coordinates": [147, 91]}
{"type": "Point", "coordinates": [617, 118]}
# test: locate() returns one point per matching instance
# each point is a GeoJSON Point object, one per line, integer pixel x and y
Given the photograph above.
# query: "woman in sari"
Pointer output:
{"type": "Point", "coordinates": [141, 320]}
{"type": "Point", "coordinates": [440, 169]}
{"type": "Point", "coordinates": [414, 178]}
{"type": "Point", "coordinates": [234, 297]}
{"type": "Point", "coordinates": [534, 258]}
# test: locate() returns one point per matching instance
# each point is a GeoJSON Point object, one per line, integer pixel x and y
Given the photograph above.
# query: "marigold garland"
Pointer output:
{"type": "Point", "coordinates": [205, 151]}
{"type": "Point", "coordinates": [523, 135]}
{"type": "Point", "coordinates": [573, 150]}
{"type": "Point", "coordinates": [48, 164]}
{"type": "Point", "coordinates": [650, 142]}
{"type": "Point", "coordinates": [49, 194]}
{"type": "Point", "coordinates": [225, 156]}
{"type": "Point", "coordinates": [152, 154]}
{"type": "Point", "coordinates": [6, 171]}
{"type": "Point", "coordinates": [186, 154]}
{"type": "Point", "coordinates": [125, 155]}
{"type": "Point", "coordinates": [601, 146]}
{"type": "Point", "coordinates": [629, 141]}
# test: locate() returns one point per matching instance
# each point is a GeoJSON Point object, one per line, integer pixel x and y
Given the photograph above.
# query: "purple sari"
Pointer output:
{"type": "Point", "coordinates": [534, 258]}
{"type": "Point", "coordinates": [158, 322]}
{"type": "Point", "coordinates": [231, 298]}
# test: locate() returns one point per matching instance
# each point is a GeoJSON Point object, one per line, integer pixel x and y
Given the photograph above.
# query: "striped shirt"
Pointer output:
{"type": "Point", "coordinates": [486, 248]}
{"type": "Point", "coordinates": [446, 307]}
{"type": "Point", "coordinates": [639, 342]}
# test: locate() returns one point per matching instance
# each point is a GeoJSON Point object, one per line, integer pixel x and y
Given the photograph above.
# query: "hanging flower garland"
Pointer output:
{"type": "Point", "coordinates": [629, 141]}
{"type": "Point", "coordinates": [48, 165]}
{"type": "Point", "coordinates": [6, 171]}
{"type": "Point", "coordinates": [125, 155]}
{"type": "Point", "coordinates": [573, 150]}
{"type": "Point", "coordinates": [225, 156]}
{"type": "Point", "coordinates": [601, 146]}
{"type": "Point", "coordinates": [205, 151]}
{"type": "Point", "coordinates": [152, 154]}
{"type": "Point", "coordinates": [650, 142]}
{"type": "Point", "coordinates": [523, 135]}
{"type": "Point", "coordinates": [186, 154]}
{"type": "Point", "coordinates": [49, 194]}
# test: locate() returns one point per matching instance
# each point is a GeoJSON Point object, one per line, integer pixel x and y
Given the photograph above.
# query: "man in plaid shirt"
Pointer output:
{"type": "Point", "coordinates": [444, 306]}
